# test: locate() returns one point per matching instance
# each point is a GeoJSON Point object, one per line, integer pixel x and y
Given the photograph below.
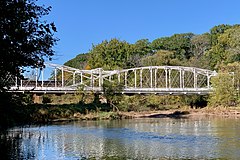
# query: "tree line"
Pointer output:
{"type": "Point", "coordinates": [218, 49]}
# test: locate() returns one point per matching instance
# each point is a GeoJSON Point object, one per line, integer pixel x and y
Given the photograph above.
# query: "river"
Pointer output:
{"type": "Point", "coordinates": [157, 138]}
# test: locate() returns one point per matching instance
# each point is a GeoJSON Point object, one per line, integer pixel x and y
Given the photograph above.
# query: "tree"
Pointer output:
{"type": "Point", "coordinates": [180, 43]}
{"type": "Point", "coordinates": [216, 31]}
{"type": "Point", "coordinates": [224, 91]}
{"type": "Point", "coordinates": [111, 54]}
{"type": "Point", "coordinates": [226, 86]}
{"type": "Point", "coordinates": [200, 44]}
{"type": "Point", "coordinates": [227, 48]}
{"type": "Point", "coordinates": [142, 47]}
{"type": "Point", "coordinates": [112, 92]}
{"type": "Point", "coordinates": [161, 58]}
{"type": "Point", "coordinates": [25, 39]}
{"type": "Point", "coordinates": [79, 62]}
{"type": "Point", "coordinates": [234, 69]}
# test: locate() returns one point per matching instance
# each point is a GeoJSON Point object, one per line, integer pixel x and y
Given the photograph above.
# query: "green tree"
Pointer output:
{"type": "Point", "coordinates": [224, 92]}
{"type": "Point", "coordinates": [161, 58]}
{"type": "Point", "coordinates": [142, 47]}
{"type": "Point", "coordinates": [216, 31]}
{"type": "Point", "coordinates": [200, 44]}
{"type": "Point", "coordinates": [79, 62]}
{"type": "Point", "coordinates": [111, 54]}
{"type": "Point", "coordinates": [160, 44]}
{"type": "Point", "coordinates": [112, 92]}
{"type": "Point", "coordinates": [227, 48]}
{"type": "Point", "coordinates": [25, 40]}
{"type": "Point", "coordinates": [234, 69]}
{"type": "Point", "coordinates": [180, 43]}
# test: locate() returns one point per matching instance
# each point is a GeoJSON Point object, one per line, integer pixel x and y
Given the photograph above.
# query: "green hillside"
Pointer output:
{"type": "Point", "coordinates": [218, 49]}
{"type": "Point", "coordinates": [211, 50]}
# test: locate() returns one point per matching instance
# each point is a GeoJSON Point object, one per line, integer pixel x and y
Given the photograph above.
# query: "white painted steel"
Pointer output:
{"type": "Point", "coordinates": [174, 80]}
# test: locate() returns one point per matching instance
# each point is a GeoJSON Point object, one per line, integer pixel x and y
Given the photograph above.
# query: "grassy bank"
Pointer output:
{"type": "Point", "coordinates": [19, 109]}
{"type": "Point", "coordinates": [45, 113]}
{"type": "Point", "coordinates": [42, 113]}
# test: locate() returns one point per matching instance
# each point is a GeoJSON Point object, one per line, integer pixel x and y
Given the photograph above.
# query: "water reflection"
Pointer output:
{"type": "Point", "coordinates": [202, 138]}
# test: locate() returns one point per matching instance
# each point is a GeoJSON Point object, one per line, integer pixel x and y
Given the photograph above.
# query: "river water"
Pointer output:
{"type": "Point", "coordinates": [157, 138]}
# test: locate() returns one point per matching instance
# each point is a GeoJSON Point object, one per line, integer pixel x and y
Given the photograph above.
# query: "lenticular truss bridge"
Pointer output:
{"type": "Point", "coordinates": [174, 80]}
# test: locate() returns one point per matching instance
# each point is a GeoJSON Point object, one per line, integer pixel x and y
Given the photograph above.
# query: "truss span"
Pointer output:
{"type": "Point", "coordinates": [150, 79]}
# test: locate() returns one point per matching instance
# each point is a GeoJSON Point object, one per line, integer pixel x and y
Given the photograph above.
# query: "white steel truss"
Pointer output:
{"type": "Point", "coordinates": [150, 79]}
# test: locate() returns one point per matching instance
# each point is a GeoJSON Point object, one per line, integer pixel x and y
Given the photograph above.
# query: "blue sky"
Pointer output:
{"type": "Point", "coordinates": [81, 23]}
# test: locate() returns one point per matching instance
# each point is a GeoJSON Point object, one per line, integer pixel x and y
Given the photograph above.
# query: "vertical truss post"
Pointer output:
{"type": "Point", "coordinates": [169, 78]}
{"type": "Point", "coordinates": [180, 77]}
{"type": "Point", "coordinates": [194, 78]}
{"type": "Point", "coordinates": [151, 78]}
{"type": "Point", "coordinates": [92, 81]}
{"type": "Point", "coordinates": [81, 77]}
{"type": "Point", "coordinates": [36, 77]}
{"type": "Point", "coordinates": [208, 80]}
{"type": "Point", "coordinates": [100, 78]}
{"type": "Point", "coordinates": [155, 77]}
{"type": "Point", "coordinates": [119, 78]}
{"type": "Point", "coordinates": [42, 76]}
{"type": "Point", "coordinates": [21, 83]}
{"type": "Point", "coordinates": [55, 77]}
{"type": "Point", "coordinates": [135, 78]}
{"type": "Point", "coordinates": [15, 81]}
{"type": "Point", "coordinates": [110, 78]}
{"type": "Point", "coordinates": [125, 78]}
{"type": "Point", "coordinates": [183, 79]}
{"type": "Point", "coordinates": [62, 77]}
{"type": "Point", "coordinates": [74, 73]}
{"type": "Point", "coordinates": [166, 77]}
{"type": "Point", "coordinates": [141, 78]}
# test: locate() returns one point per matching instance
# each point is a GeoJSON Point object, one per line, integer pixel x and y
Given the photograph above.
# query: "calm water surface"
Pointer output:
{"type": "Point", "coordinates": [194, 138]}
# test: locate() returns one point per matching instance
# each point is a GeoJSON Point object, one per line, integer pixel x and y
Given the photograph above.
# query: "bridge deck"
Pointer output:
{"type": "Point", "coordinates": [65, 90]}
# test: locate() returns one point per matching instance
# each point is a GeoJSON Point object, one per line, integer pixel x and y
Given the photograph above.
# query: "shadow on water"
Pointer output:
{"type": "Point", "coordinates": [10, 146]}
{"type": "Point", "coordinates": [176, 114]}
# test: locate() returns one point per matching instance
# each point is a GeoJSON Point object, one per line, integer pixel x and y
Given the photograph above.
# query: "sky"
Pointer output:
{"type": "Point", "coordinates": [83, 23]}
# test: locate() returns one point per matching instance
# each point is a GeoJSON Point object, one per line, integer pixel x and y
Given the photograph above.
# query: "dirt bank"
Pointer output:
{"type": "Point", "coordinates": [177, 113]}
{"type": "Point", "coordinates": [185, 113]}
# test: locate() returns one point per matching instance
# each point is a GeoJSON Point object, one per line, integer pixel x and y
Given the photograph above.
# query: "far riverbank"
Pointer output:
{"type": "Point", "coordinates": [48, 113]}
{"type": "Point", "coordinates": [172, 113]}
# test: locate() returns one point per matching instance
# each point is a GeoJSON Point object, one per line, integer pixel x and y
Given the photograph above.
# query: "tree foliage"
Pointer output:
{"type": "Point", "coordinates": [216, 31]}
{"type": "Point", "coordinates": [79, 62]}
{"type": "Point", "coordinates": [110, 54]}
{"type": "Point", "coordinates": [161, 58]}
{"type": "Point", "coordinates": [227, 48]}
{"type": "Point", "coordinates": [224, 91]}
{"type": "Point", "coordinates": [112, 92]}
{"type": "Point", "coordinates": [179, 43]}
{"type": "Point", "coordinates": [218, 49]}
{"type": "Point", "coordinates": [142, 47]}
{"type": "Point", "coordinates": [26, 40]}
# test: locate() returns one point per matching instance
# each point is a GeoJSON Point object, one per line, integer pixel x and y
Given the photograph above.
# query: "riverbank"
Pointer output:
{"type": "Point", "coordinates": [187, 113]}
{"type": "Point", "coordinates": [48, 113]}
{"type": "Point", "coordinates": [172, 113]}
